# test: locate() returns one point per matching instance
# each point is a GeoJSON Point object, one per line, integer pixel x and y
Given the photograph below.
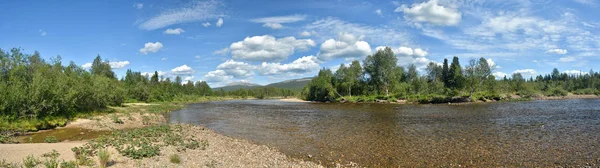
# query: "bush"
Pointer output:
{"type": "Point", "coordinates": [526, 92]}
{"type": "Point", "coordinates": [174, 158]}
{"type": "Point", "coordinates": [116, 119]}
{"type": "Point", "coordinates": [556, 92]}
{"type": "Point", "coordinates": [587, 91]}
{"type": "Point", "coordinates": [103, 158]}
{"type": "Point", "coordinates": [69, 164]}
{"type": "Point", "coordinates": [30, 161]}
{"type": "Point", "coordinates": [51, 139]}
{"type": "Point", "coordinates": [51, 163]}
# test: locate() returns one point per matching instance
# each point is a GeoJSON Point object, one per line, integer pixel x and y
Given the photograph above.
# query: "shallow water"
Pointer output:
{"type": "Point", "coordinates": [62, 134]}
{"type": "Point", "coordinates": [537, 133]}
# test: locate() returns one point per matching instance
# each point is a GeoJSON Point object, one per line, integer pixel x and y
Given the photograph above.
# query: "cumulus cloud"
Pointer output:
{"type": "Point", "coordinates": [197, 11]}
{"type": "Point", "coordinates": [223, 51]}
{"type": "Point", "coordinates": [380, 34]}
{"type": "Point", "coordinates": [219, 22]}
{"type": "Point", "coordinates": [268, 48]}
{"type": "Point", "coordinates": [174, 31]}
{"type": "Point", "coordinates": [567, 59]}
{"type": "Point", "coordinates": [430, 12]}
{"type": "Point", "coordinates": [406, 51]}
{"type": "Point", "coordinates": [299, 66]}
{"type": "Point", "coordinates": [160, 73]}
{"type": "Point", "coordinates": [118, 64]}
{"type": "Point", "coordinates": [407, 56]}
{"type": "Point", "coordinates": [217, 76]}
{"type": "Point", "coordinates": [275, 22]}
{"type": "Point", "coordinates": [308, 33]}
{"type": "Point", "coordinates": [205, 24]}
{"type": "Point", "coordinates": [86, 65]}
{"type": "Point", "coordinates": [182, 70]}
{"type": "Point", "coordinates": [151, 47]}
{"type": "Point", "coordinates": [557, 51]}
{"type": "Point", "coordinates": [138, 5]}
{"type": "Point", "coordinates": [500, 75]}
{"type": "Point", "coordinates": [236, 69]}
{"type": "Point", "coordinates": [575, 72]}
{"type": "Point", "coordinates": [345, 46]}
{"type": "Point", "coordinates": [525, 72]}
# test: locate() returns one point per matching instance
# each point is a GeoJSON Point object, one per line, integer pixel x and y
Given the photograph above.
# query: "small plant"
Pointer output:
{"type": "Point", "coordinates": [146, 120]}
{"type": "Point", "coordinates": [69, 164]}
{"type": "Point", "coordinates": [54, 154]}
{"type": "Point", "coordinates": [116, 119]}
{"type": "Point", "coordinates": [174, 158]}
{"type": "Point", "coordinates": [103, 157]}
{"type": "Point", "coordinates": [51, 163]}
{"type": "Point", "coordinates": [6, 164]}
{"type": "Point", "coordinates": [30, 161]}
{"type": "Point", "coordinates": [51, 139]}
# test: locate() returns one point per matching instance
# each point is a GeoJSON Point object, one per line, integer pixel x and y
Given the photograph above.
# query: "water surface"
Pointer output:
{"type": "Point", "coordinates": [537, 133]}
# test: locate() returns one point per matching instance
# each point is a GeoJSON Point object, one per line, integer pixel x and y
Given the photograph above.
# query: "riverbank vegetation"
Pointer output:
{"type": "Point", "coordinates": [379, 78]}
{"type": "Point", "coordinates": [40, 94]}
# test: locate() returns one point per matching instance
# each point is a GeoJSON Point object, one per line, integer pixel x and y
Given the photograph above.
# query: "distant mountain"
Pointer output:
{"type": "Point", "coordinates": [294, 84]}
{"type": "Point", "coordinates": [238, 85]}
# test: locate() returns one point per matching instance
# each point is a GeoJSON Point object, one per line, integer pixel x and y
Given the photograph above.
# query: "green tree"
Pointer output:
{"type": "Point", "coordinates": [380, 68]}
{"type": "Point", "coordinates": [455, 74]}
{"type": "Point", "coordinates": [476, 74]}
{"type": "Point", "coordinates": [320, 88]}
{"type": "Point", "coordinates": [102, 68]}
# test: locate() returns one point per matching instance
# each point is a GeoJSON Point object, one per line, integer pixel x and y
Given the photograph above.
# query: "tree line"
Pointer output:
{"type": "Point", "coordinates": [382, 78]}
{"type": "Point", "coordinates": [32, 88]}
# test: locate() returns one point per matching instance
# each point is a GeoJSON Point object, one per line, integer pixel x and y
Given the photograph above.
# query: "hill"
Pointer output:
{"type": "Point", "coordinates": [293, 84]}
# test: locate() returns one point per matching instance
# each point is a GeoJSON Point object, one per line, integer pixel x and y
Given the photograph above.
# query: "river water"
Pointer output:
{"type": "Point", "coordinates": [535, 133]}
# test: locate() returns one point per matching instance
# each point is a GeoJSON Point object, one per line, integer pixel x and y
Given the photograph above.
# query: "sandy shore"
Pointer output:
{"type": "Point", "coordinates": [293, 100]}
{"type": "Point", "coordinates": [222, 151]}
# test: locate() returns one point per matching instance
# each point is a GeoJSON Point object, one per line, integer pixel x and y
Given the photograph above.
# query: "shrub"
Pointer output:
{"type": "Point", "coordinates": [174, 158]}
{"type": "Point", "coordinates": [6, 139]}
{"type": "Point", "coordinates": [587, 91]}
{"type": "Point", "coordinates": [146, 120]}
{"type": "Point", "coordinates": [556, 92]}
{"type": "Point", "coordinates": [116, 119]}
{"type": "Point", "coordinates": [69, 164]}
{"type": "Point", "coordinates": [51, 163]}
{"type": "Point", "coordinates": [6, 164]}
{"type": "Point", "coordinates": [103, 157]}
{"type": "Point", "coordinates": [30, 161]}
{"type": "Point", "coordinates": [54, 154]}
{"type": "Point", "coordinates": [51, 139]}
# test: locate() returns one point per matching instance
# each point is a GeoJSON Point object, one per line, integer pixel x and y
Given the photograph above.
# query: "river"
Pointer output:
{"type": "Point", "coordinates": [531, 134]}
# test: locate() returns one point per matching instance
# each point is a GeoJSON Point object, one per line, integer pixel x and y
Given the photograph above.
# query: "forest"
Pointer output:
{"type": "Point", "coordinates": [380, 78]}
{"type": "Point", "coordinates": [48, 93]}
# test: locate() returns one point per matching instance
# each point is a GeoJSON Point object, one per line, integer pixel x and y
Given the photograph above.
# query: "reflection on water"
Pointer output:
{"type": "Point", "coordinates": [62, 134]}
{"type": "Point", "coordinates": [538, 133]}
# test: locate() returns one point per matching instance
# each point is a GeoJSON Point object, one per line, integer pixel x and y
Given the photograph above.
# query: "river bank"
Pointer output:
{"type": "Point", "coordinates": [219, 150]}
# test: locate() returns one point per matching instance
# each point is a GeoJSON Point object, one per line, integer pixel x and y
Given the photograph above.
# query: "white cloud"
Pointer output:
{"type": "Point", "coordinates": [164, 58]}
{"type": "Point", "coordinates": [308, 33]}
{"type": "Point", "coordinates": [525, 72]}
{"type": "Point", "coordinates": [300, 66]}
{"type": "Point", "coordinates": [219, 22]}
{"type": "Point", "coordinates": [575, 72]}
{"type": "Point", "coordinates": [151, 47]}
{"type": "Point", "coordinates": [345, 46]}
{"type": "Point", "coordinates": [557, 51]}
{"type": "Point", "coordinates": [273, 25]}
{"type": "Point", "coordinates": [430, 12]}
{"type": "Point", "coordinates": [149, 74]}
{"type": "Point", "coordinates": [378, 12]}
{"type": "Point", "coordinates": [186, 79]}
{"type": "Point", "coordinates": [491, 63]}
{"type": "Point", "coordinates": [567, 59]}
{"type": "Point", "coordinates": [118, 64]}
{"type": "Point", "coordinates": [198, 11]}
{"type": "Point", "coordinates": [380, 34]}
{"type": "Point", "coordinates": [406, 51]}
{"type": "Point", "coordinates": [138, 5]}
{"type": "Point", "coordinates": [42, 32]}
{"type": "Point", "coordinates": [205, 24]}
{"type": "Point", "coordinates": [223, 51]}
{"type": "Point", "coordinates": [174, 31]}
{"type": "Point", "coordinates": [268, 48]}
{"type": "Point", "coordinates": [407, 56]}
{"type": "Point", "coordinates": [182, 70]}
{"type": "Point", "coordinates": [86, 65]}
{"type": "Point", "coordinates": [586, 2]}
{"type": "Point", "coordinates": [500, 75]}
{"type": "Point", "coordinates": [217, 76]}
{"type": "Point", "coordinates": [236, 69]}
{"type": "Point", "coordinates": [276, 21]}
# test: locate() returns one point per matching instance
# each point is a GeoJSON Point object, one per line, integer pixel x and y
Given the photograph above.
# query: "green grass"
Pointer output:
{"type": "Point", "coordinates": [51, 139]}
{"type": "Point", "coordinates": [103, 158]}
{"type": "Point", "coordinates": [174, 158]}
{"type": "Point", "coordinates": [68, 164]}
{"type": "Point", "coordinates": [30, 161]}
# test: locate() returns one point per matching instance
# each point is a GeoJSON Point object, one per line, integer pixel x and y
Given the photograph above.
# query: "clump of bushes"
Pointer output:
{"type": "Point", "coordinates": [556, 92]}
{"type": "Point", "coordinates": [51, 139]}
{"type": "Point", "coordinates": [30, 161]}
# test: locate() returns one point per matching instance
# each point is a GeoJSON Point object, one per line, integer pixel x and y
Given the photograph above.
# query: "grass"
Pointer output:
{"type": "Point", "coordinates": [103, 158]}
{"type": "Point", "coordinates": [116, 119]}
{"type": "Point", "coordinates": [30, 161]}
{"type": "Point", "coordinates": [68, 164]}
{"type": "Point", "coordinates": [174, 158]}
{"type": "Point", "coordinates": [50, 139]}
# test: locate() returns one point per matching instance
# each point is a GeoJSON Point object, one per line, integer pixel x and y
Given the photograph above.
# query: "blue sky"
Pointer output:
{"type": "Point", "coordinates": [269, 41]}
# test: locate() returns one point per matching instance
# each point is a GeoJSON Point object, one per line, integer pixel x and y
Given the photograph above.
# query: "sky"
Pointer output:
{"type": "Point", "coordinates": [225, 41]}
